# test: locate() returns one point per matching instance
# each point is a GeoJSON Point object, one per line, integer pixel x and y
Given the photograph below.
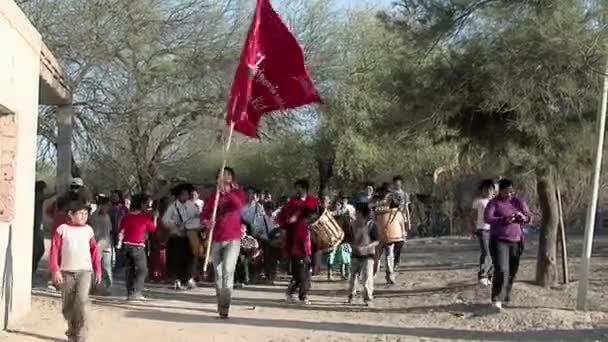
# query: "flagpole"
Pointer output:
{"type": "Point", "coordinates": [583, 283]}
{"type": "Point", "coordinates": [217, 194]}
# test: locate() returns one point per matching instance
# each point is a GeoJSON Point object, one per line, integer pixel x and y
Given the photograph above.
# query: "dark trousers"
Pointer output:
{"type": "Point", "coordinates": [300, 281]}
{"type": "Point", "coordinates": [485, 262]}
{"type": "Point", "coordinates": [271, 258]}
{"type": "Point", "coordinates": [505, 257]}
{"type": "Point", "coordinates": [180, 261]}
{"type": "Point", "coordinates": [398, 247]}
{"type": "Point", "coordinates": [119, 261]}
{"type": "Point", "coordinates": [136, 269]}
{"type": "Point", "coordinates": [243, 274]}
{"type": "Point", "coordinates": [37, 252]}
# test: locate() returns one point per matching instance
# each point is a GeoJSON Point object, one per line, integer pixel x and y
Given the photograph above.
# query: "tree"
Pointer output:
{"type": "Point", "coordinates": [515, 78]}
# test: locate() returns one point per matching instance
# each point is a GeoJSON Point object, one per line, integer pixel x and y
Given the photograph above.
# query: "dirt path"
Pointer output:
{"type": "Point", "coordinates": [436, 299]}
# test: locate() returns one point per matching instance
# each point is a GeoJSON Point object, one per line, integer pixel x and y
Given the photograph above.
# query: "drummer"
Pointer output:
{"type": "Point", "coordinates": [387, 198]}
{"type": "Point", "coordinates": [267, 232]}
{"type": "Point", "coordinates": [403, 199]}
{"type": "Point", "coordinates": [295, 218]}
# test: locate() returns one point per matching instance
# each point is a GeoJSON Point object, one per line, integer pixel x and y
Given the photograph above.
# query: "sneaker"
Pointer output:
{"type": "Point", "coordinates": [390, 281]}
{"type": "Point", "coordinates": [51, 287]}
{"type": "Point", "coordinates": [497, 305]}
{"type": "Point", "coordinates": [191, 284]}
{"type": "Point", "coordinates": [177, 286]}
{"type": "Point", "coordinates": [290, 299]}
{"type": "Point", "coordinates": [484, 282]}
{"type": "Point", "coordinates": [223, 313]}
{"type": "Point", "coordinates": [305, 301]}
{"type": "Point", "coordinates": [138, 298]}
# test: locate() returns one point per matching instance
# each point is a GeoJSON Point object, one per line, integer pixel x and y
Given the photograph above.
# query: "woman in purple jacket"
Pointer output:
{"type": "Point", "coordinates": [506, 214]}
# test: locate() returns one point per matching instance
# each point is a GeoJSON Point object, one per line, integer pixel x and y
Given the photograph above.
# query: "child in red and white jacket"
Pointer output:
{"type": "Point", "coordinates": [295, 217]}
{"type": "Point", "coordinates": [73, 256]}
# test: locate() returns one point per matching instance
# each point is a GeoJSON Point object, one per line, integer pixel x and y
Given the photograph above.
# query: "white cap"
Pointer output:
{"type": "Point", "coordinates": [77, 182]}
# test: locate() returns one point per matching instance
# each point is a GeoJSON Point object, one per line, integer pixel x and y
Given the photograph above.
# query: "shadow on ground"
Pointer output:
{"type": "Point", "coordinates": [365, 329]}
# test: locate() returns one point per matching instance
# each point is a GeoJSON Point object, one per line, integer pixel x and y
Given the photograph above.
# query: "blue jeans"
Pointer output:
{"type": "Point", "coordinates": [106, 267]}
{"type": "Point", "coordinates": [224, 256]}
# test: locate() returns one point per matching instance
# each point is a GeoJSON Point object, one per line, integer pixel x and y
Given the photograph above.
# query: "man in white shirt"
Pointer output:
{"type": "Point", "coordinates": [482, 230]}
{"type": "Point", "coordinates": [266, 231]}
{"type": "Point", "coordinates": [253, 211]}
{"type": "Point", "coordinates": [183, 248]}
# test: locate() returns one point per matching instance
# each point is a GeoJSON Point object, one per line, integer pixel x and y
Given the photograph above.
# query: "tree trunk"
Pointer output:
{"type": "Point", "coordinates": [326, 173]}
{"type": "Point", "coordinates": [76, 172]}
{"type": "Point", "coordinates": [64, 118]}
{"type": "Point", "coordinates": [546, 264]}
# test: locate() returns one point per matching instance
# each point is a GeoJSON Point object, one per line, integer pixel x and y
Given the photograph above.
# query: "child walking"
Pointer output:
{"type": "Point", "coordinates": [132, 239]}
{"type": "Point", "coordinates": [101, 223]}
{"type": "Point", "coordinates": [364, 243]}
{"type": "Point", "coordinates": [73, 256]}
{"type": "Point", "coordinates": [482, 230]}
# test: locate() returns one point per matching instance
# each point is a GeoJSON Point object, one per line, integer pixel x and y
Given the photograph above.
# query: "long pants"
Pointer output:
{"type": "Point", "coordinates": [398, 247]}
{"type": "Point", "coordinates": [38, 250]}
{"type": "Point", "coordinates": [180, 261]}
{"type": "Point", "coordinates": [362, 269]}
{"type": "Point", "coordinates": [75, 296]}
{"type": "Point", "coordinates": [242, 270]}
{"type": "Point", "coordinates": [300, 277]}
{"type": "Point", "coordinates": [224, 256]}
{"type": "Point", "coordinates": [505, 257]}
{"type": "Point", "coordinates": [136, 269]}
{"type": "Point", "coordinates": [389, 262]}
{"type": "Point", "coordinates": [485, 260]}
{"type": "Point", "coordinates": [119, 259]}
{"type": "Point", "coordinates": [106, 268]}
{"type": "Point", "coordinates": [195, 246]}
{"type": "Point", "coordinates": [271, 257]}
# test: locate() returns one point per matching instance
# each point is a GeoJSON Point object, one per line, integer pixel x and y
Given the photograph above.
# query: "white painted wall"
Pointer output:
{"type": "Point", "coordinates": [20, 45]}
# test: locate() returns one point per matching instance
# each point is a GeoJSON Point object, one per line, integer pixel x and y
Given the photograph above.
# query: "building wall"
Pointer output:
{"type": "Point", "coordinates": [20, 46]}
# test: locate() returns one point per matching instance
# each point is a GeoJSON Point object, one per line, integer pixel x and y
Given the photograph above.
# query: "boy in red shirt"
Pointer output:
{"type": "Point", "coordinates": [295, 218]}
{"type": "Point", "coordinates": [132, 239]}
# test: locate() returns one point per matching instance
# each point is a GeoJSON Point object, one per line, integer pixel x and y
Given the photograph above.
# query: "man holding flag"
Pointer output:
{"type": "Point", "coordinates": [271, 77]}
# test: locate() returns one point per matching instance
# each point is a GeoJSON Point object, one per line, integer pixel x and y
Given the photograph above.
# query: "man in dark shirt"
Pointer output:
{"type": "Point", "coordinates": [38, 250]}
{"type": "Point", "coordinates": [364, 242]}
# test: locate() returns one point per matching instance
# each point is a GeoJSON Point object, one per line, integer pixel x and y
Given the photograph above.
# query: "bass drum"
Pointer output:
{"type": "Point", "coordinates": [202, 248]}
{"type": "Point", "coordinates": [390, 224]}
{"type": "Point", "coordinates": [326, 233]}
{"type": "Point", "coordinates": [345, 223]}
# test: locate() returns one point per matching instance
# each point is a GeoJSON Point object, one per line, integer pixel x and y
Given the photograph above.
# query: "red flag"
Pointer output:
{"type": "Point", "coordinates": [271, 74]}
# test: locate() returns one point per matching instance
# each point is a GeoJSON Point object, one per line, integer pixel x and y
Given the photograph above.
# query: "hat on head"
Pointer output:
{"type": "Point", "coordinates": [181, 188]}
{"type": "Point", "coordinates": [77, 182]}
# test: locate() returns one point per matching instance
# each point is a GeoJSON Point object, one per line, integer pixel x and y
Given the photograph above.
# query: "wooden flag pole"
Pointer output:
{"type": "Point", "coordinates": [562, 236]}
{"type": "Point", "coordinates": [217, 194]}
{"type": "Point", "coordinates": [583, 283]}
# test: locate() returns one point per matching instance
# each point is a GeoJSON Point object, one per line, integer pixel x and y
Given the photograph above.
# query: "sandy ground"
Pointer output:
{"type": "Point", "coordinates": [436, 299]}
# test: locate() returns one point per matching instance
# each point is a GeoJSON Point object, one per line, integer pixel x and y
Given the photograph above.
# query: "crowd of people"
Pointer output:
{"type": "Point", "coordinates": [252, 239]}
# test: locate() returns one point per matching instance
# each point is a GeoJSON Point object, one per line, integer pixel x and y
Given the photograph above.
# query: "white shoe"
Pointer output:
{"type": "Point", "coordinates": [177, 286]}
{"type": "Point", "coordinates": [497, 305]}
{"type": "Point", "coordinates": [485, 282]}
{"type": "Point", "coordinates": [191, 284]}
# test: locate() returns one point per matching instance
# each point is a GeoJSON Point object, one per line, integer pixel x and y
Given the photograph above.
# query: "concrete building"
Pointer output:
{"type": "Point", "coordinates": [29, 76]}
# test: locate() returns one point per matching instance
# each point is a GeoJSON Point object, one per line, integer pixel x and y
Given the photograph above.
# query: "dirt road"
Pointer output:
{"type": "Point", "coordinates": [436, 299]}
